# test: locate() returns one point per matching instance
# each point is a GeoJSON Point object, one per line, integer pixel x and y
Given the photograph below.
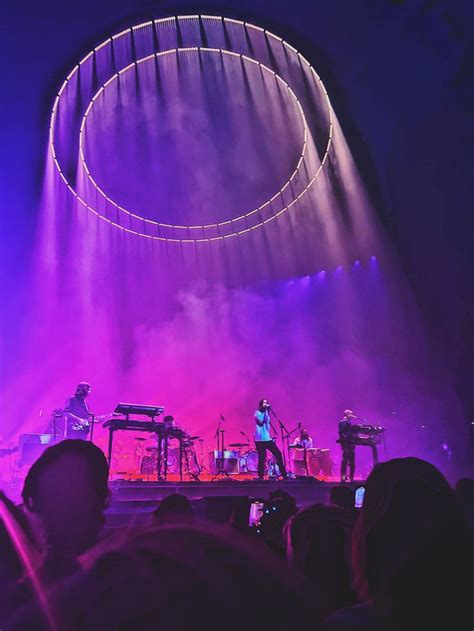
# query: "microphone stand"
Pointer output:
{"type": "Point", "coordinates": [284, 435]}
{"type": "Point", "coordinates": [220, 448]}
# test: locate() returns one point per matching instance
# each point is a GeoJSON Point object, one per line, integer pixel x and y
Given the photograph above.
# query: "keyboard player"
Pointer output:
{"type": "Point", "coordinates": [347, 446]}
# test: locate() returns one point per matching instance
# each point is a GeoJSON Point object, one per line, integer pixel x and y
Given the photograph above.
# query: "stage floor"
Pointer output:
{"type": "Point", "coordinates": [135, 497]}
{"type": "Point", "coordinates": [134, 501]}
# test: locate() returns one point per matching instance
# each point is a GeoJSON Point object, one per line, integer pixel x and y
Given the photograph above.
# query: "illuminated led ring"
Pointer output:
{"type": "Point", "coordinates": [188, 240]}
{"type": "Point", "coordinates": [162, 54]}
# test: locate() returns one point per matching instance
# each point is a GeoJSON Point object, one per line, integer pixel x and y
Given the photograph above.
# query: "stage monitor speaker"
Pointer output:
{"type": "Point", "coordinates": [31, 446]}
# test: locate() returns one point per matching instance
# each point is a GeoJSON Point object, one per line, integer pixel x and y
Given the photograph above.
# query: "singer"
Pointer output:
{"type": "Point", "coordinates": [347, 446]}
{"type": "Point", "coordinates": [264, 441]}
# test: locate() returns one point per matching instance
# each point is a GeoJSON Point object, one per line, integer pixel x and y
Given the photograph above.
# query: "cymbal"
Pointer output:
{"type": "Point", "coordinates": [152, 449]}
{"type": "Point", "coordinates": [238, 444]}
{"type": "Point", "coordinates": [140, 438]}
{"type": "Point", "coordinates": [192, 438]}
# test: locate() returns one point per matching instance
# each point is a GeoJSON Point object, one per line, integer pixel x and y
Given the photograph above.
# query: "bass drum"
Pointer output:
{"type": "Point", "coordinates": [173, 460]}
{"type": "Point", "coordinates": [249, 462]}
{"type": "Point", "coordinates": [149, 464]}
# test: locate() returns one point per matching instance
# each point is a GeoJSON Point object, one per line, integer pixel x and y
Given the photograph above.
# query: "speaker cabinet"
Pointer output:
{"type": "Point", "coordinates": [31, 446]}
{"type": "Point", "coordinates": [229, 463]}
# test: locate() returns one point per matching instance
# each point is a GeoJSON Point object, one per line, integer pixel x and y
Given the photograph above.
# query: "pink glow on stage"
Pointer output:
{"type": "Point", "coordinates": [210, 328]}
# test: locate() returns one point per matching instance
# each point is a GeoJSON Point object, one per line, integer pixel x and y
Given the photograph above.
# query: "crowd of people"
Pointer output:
{"type": "Point", "coordinates": [401, 561]}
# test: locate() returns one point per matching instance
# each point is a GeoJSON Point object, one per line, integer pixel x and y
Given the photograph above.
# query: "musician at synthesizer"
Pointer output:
{"type": "Point", "coordinates": [264, 441]}
{"type": "Point", "coordinates": [77, 413]}
{"type": "Point", "coordinates": [300, 446]}
{"type": "Point", "coordinates": [347, 446]}
{"type": "Point", "coordinates": [304, 440]}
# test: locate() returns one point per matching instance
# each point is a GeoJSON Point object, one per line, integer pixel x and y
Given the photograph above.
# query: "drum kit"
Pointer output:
{"type": "Point", "coordinates": [239, 459]}
{"type": "Point", "coordinates": [247, 459]}
{"type": "Point", "coordinates": [148, 457]}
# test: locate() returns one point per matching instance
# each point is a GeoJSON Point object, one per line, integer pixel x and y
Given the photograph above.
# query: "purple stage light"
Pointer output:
{"type": "Point", "coordinates": [154, 58]}
{"type": "Point", "coordinates": [134, 223]}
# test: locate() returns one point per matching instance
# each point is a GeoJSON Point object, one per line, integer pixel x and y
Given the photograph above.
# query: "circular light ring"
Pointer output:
{"type": "Point", "coordinates": [288, 48]}
{"type": "Point", "coordinates": [162, 54]}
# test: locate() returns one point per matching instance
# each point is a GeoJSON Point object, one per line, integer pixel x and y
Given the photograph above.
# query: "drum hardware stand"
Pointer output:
{"type": "Point", "coordinates": [162, 461]}
{"type": "Point", "coordinates": [201, 459]}
{"type": "Point", "coordinates": [138, 453]}
{"type": "Point", "coordinates": [186, 452]}
{"type": "Point", "coordinates": [220, 449]}
{"type": "Point", "coordinates": [159, 458]}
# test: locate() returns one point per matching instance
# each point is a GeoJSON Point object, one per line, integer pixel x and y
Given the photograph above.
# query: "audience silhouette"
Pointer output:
{"type": "Point", "coordinates": [401, 562]}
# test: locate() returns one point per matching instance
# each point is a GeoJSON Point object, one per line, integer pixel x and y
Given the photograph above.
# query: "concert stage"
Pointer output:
{"type": "Point", "coordinates": [132, 502]}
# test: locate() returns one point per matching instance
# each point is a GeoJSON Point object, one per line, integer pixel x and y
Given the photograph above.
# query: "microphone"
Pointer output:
{"type": "Point", "coordinates": [222, 417]}
{"type": "Point", "coordinates": [299, 425]}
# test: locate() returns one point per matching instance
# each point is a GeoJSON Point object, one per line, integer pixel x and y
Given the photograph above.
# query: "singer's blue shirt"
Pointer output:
{"type": "Point", "coordinates": [262, 427]}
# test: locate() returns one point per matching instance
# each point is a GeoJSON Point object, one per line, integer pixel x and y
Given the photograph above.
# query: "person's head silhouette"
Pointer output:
{"type": "Point", "coordinates": [67, 489]}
